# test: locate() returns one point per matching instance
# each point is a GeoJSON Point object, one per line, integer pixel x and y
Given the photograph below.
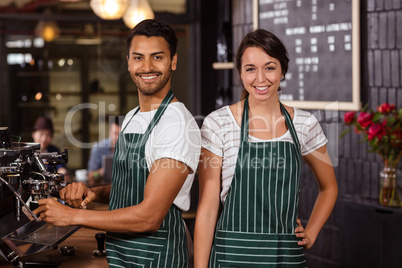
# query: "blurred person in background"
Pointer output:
{"type": "Point", "coordinates": [101, 149]}
{"type": "Point", "coordinates": [43, 134]}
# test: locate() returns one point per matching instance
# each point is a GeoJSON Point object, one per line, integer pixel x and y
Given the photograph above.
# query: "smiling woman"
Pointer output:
{"type": "Point", "coordinates": [260, 73]}
{"type": "Point", "coordinates": [259, 225]}
{"type": "Point", "coordinates": [270, 49]}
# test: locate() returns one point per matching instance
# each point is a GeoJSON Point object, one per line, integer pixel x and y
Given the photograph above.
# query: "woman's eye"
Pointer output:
{"type": "Point", "coordinates": [249, 69]}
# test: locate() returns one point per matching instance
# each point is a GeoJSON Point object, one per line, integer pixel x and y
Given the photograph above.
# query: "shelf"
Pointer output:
{"type": "Point", "coordinates": [92, 94]}
{"type": "Point", "coordinates": [47, 73]}
{"type": "Point", "coordinates": [65, 93]}
{"type": "Point", "coordinates": [32, 104]}
{"type": "Point", "coordinates": [32, 74]}
{"type": "Point", "coordinates": [223, 65]}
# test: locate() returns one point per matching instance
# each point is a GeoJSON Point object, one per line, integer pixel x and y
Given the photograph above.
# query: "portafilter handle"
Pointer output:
{"type": "Point", "coordinates": [20, 200]}
{"type": "Point", "coordinates": [100, 239]}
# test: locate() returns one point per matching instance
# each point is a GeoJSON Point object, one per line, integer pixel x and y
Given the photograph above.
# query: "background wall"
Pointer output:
{"type": "Point", "coordinates": [381, 81]}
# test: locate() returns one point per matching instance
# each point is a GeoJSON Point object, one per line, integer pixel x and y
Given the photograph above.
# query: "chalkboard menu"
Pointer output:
{"type": "Point", "coordinates": [322, 39]}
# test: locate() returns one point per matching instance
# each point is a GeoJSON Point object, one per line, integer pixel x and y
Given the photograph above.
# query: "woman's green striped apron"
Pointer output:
{"type": "Point", "coordinates": [168, 246]}
{"type": "Point", "coordinates": [256, 227]}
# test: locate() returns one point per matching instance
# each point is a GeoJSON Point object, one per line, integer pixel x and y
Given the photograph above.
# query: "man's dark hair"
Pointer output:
{"type": "Point", "coordinates": [151, 28]}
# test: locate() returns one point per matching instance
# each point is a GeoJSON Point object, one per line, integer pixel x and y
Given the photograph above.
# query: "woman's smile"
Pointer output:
{"type": "Point", "coordinates": [261, 89]}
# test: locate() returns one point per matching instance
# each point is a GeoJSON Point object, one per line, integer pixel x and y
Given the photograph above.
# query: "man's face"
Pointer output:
{"type": "Point", "coordinates": [42, 136]}
{"type": "Point", "coordinates": [149, 63]}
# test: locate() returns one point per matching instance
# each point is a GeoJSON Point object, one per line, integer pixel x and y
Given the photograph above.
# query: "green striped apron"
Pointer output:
{"type": "Point", "coordinates": [256, 226]}
{"type": "Point", "coordinates": [168, 246]}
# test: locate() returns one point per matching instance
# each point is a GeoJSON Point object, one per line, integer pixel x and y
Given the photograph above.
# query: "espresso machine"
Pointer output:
{"type": "Point", "coordinates": [26, 176]}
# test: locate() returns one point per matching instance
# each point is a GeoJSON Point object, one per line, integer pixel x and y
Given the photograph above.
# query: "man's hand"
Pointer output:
{"type": "Point", "coordinates": [53, 212]}
{"type": "Point", "coordinates": [74, 194]}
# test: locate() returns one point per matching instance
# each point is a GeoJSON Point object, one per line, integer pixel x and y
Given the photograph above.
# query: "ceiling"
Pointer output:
{"type": "Point", "coordinates": [31, 6]}
{"type": "Point", "coordinates": [20, 17]}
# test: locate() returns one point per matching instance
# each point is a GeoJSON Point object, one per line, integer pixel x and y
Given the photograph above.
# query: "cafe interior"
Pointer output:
{"type": "Point", "coordinates": [66, 60]}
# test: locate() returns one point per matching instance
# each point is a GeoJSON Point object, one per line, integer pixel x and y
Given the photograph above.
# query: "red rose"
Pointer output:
{"type": "Point", "coordinates": [386, 108]}
{"type": "Point", "coordinates": [349, 117]}
{"type": "Point", "coordinates": [376, 130]}
{"type": "Point", "coordinates": [364, 119]}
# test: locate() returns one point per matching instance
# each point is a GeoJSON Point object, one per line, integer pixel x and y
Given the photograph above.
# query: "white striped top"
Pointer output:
{"type": "Point", "coordinates": [176, 136]}
{"type": "Point", "coordinates": [221, 135]}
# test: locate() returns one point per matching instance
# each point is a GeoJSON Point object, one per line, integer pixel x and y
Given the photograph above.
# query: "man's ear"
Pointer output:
{"type": "Point", "coordinates": [174, 62]}
{"type": "Point", "coordinates": [128, 65]}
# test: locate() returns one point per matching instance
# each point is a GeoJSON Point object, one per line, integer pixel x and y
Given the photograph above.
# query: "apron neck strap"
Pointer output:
{"type": "Point", "coordinates": [136, 111]}
{"type": "Point", "coordinates": [161, 109]}
{"type": "Point", "coordinates": [245, 123]}
{"type": "Point", "coordinates": [168, 98]}
{"type": "Point", "coordinates": [290, 125]}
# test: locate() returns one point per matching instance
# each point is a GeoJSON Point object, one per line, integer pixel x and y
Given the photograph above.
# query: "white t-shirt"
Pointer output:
{"type": "Point", "coordinates": [221, 136]}
{"type": "Point", "coordinates": [176, 136]}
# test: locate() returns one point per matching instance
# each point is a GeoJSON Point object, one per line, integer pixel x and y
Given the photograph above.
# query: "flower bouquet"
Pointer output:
{"type": "Point", "coordinates": [382, 129]}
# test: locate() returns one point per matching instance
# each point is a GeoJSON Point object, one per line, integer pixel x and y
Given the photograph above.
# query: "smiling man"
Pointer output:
{"type": "Point", "coordinates": [154, 163]}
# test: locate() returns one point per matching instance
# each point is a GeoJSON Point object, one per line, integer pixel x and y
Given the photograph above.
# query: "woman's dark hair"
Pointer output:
{"type": "Point", "coordinates": [151, 28]}
{"type": "Point", "coordinates": [270, 43]}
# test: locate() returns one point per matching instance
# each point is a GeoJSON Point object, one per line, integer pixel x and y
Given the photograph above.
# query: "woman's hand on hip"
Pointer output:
{"type": "Point", "coordinates": [300, 232]}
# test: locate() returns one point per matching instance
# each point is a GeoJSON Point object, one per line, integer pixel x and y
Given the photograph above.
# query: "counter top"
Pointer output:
{"type": "Point", "coordinates": [85, 243]}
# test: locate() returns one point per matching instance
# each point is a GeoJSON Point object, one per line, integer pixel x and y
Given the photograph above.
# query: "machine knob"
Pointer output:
{"type": "Point", "coordinates": [64, 155]}
{"type": "Point", "coordinates": [100, 239]}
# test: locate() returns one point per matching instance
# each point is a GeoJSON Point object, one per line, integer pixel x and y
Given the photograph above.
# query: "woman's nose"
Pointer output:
{"type": "Point", "coordinates": [260, 76]}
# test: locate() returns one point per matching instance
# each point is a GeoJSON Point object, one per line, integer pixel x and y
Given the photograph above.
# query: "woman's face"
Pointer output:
{"type": "Point", "coordinates": [260, 73]}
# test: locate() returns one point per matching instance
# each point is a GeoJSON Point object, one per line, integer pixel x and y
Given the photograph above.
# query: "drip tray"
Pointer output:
{"type": "Point", "coordinates": [35, 237]}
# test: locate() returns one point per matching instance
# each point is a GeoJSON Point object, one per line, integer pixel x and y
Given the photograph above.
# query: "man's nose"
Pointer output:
{"type": "Point", "coordinates": [147, 65]}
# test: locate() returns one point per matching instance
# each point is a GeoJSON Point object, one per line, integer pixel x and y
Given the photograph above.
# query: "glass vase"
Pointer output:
{"type": "Point", "coordinates": [389, 193]}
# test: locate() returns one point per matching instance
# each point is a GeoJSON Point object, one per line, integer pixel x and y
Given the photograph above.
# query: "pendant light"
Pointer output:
{"type": "Point", "coordinates": [48, 30]}
{"type": "Point", "coordinates": [137, 11]}
{"type": "Point", "coordinates": [109, 9]}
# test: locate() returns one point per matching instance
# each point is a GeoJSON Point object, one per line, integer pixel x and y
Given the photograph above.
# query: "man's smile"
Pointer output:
{"type": "Point", "coordinates": [148, 77]}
